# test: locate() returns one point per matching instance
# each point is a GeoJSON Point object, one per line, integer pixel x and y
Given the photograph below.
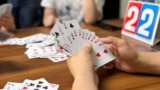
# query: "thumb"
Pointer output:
{"type": "Point", "coordinates": [87, 48]}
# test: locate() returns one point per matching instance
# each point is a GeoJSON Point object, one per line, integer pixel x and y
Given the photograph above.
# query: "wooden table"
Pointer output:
{"type": "Point", "coordinates": [16, 67]}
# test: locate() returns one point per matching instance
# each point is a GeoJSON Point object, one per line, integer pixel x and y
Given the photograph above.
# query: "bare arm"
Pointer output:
{"type": "Point", "coordinates": [81, 67]}
{"type": "Point", "coordinates": [90, 11]}
{"type": "Point", "coordinates": [85, 81]}
{"type": "Point", "coordinates": [149, 62]}
{"type": "Point", "coordinates": [49, 17]}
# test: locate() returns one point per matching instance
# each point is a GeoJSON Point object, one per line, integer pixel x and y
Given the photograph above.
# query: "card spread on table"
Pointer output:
{"type": "Point", "coordinates": [27, 84]}
{"type": "Point", "coordinates": [73, 38]}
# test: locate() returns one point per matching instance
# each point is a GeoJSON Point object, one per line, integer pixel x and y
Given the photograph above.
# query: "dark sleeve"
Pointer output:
{"type": "Point", "coordinates": [3, 1]}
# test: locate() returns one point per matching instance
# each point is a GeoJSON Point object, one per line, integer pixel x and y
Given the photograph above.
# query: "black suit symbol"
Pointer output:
{"type": "Point", "coordinates": [38, 86]}
{"type": "Point", "coordinates": [31, 84]}
{"type": "Point", "coordinates": [71, 25]}
{"type": "Point", "coordinates": [45, 87]}
{"type": "Point", "coordinates": [57, 34]}
{"type": "Point", "coordinates": [40, 82]}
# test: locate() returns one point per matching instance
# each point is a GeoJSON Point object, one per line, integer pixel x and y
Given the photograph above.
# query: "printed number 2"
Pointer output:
{"type": "Point", "coordinates": [141, 19]}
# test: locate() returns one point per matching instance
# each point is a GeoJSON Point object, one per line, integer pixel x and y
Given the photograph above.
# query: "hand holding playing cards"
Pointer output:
{"type": "Point", "coordinates": [7, 22]}
{"type": "Point", "coordinates": [82, 69]}
{"type": "Point", "coordinates": [129, 60]}
{"type": "Point", "coordinates": [126, 56]}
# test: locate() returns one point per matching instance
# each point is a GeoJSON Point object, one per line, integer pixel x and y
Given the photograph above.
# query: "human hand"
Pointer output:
{"type": "Point", "coordinates": [126, 56]}
{"type": "Point", "coordinates": [81, 67]}
{"type": "Point", "coordinates": [82, 62]}
{"type": "Point", "coordinates": [7, 22]}
{"type": "Point", "coordinates": [49, 20]}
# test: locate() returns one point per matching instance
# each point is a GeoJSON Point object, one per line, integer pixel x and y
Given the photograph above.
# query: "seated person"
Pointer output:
{"type": "Point", "coordinates": [27, 13]}
{"type": "Point", "coordinates": [88, 11]}
{"type": "Point", "coordinates": [6, 20]}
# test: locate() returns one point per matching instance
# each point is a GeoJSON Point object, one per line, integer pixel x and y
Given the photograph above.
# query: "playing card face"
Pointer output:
{"type": "Point", "coordinates": [12, 86]}
{"type": "Point", "coordinates": [27, 84]}
{"type": "Point", "coordinates": [58, 31]}
{"type": "Point", "coordinates": [39, 84]}
{"type": "Point", "coordinates": [71, 24]}
{"type": "Point", "coordinates": [102, 55]}
{"type": "Point", "coordinates": [5, 35]}
{"type": "Point", "coordinates": [41, 52]}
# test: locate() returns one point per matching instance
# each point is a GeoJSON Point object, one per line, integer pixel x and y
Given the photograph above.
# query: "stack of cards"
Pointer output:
{"type": "Point", "coordinates": [72, 38]}
{"type": "Point", "coordinates": [5, 8]}
{"type": "Point", "coordinates": [39, 84]}
{"type": "Point", "coordinates": [48, 48]}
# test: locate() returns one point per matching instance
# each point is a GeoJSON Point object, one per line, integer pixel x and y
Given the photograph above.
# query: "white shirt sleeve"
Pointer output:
{"type": "Point", "coordinates": [100, 4]}
{"type": "Point", "coordinates": [48, 3]}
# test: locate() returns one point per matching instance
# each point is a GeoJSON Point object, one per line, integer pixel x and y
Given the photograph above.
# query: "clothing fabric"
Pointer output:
{"type": "Point", "coordinates": [26, 13]}
{"type": "Point", "coordinates": [3, 1]}
{"type": "Point", "coordinates": [70, 9]}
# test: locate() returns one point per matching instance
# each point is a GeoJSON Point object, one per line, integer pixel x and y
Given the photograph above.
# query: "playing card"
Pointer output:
{"type": "Point", "coordinates": [5, 8]}
{"type": "Point", "coordinates": [48, 41]}
{"type": "Point", "coordinates": [12, 86]}
{"type": "Point", "coordinates": [27, 84]}
{"type": "Point", "coordinates": [40, 84]}
{"type": "Point", "coordinates": [71, 24]}
{"type": "Point", "coordinates": [58, 31]}
{"type": "Point", "coordinates": [101, 55]}
{"type": "Point", "coordinates": [55, 86]}
{"type": "Point", "coordinates": [34, 38]}
{"type": "Point", "coordinates": [41, 52]}
{"type": "Point", "coordinates": [71, 27]}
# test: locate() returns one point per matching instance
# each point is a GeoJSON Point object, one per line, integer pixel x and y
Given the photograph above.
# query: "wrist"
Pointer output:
{"type": "Point", "coordinates": [146, 64]}
{"type": "Point", "coordinates": [89, 77]}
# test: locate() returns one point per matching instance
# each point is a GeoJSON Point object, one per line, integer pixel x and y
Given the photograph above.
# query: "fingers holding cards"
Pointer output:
{"type": "Point", "coordinates": [72, 38]}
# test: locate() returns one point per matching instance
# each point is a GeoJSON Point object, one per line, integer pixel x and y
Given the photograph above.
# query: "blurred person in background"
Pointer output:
{"type": "Point", "coordinates": [27, 13]}
{"type": "Point", "coordinates": [88, 11]}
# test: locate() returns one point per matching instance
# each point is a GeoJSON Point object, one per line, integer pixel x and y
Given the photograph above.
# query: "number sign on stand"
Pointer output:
{"type": "Point", "coordinates": [142, 22]}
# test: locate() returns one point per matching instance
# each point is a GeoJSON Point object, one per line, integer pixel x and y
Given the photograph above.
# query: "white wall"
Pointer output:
{"type": "Point", "coordinates": [123, 7]}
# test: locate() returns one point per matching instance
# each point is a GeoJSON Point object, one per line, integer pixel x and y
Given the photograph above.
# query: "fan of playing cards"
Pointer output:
{"type": "Point", "coordinates": [27, 84]}
{"type": "Point", "coordinates": [72, 38]}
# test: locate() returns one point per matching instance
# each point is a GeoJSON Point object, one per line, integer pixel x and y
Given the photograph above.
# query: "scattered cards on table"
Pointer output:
{"type": "Point", "coordinates": [27, 84]}
{"type": "Point", "coordinates": [39, 46]}
{"type": "Point", "coordinates": [73, 38]}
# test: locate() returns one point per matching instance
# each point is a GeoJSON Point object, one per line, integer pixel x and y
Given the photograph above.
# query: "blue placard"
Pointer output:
{"type": "Point", "coordinates": [147, 20]}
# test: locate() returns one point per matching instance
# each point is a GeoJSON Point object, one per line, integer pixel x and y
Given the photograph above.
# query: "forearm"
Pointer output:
{"type": "Point", "coordinates": [86, 81]}
{"type": "Point", "coordinates": [149, 62]}
{"type": "Point", "coordinates": [90, 11]}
